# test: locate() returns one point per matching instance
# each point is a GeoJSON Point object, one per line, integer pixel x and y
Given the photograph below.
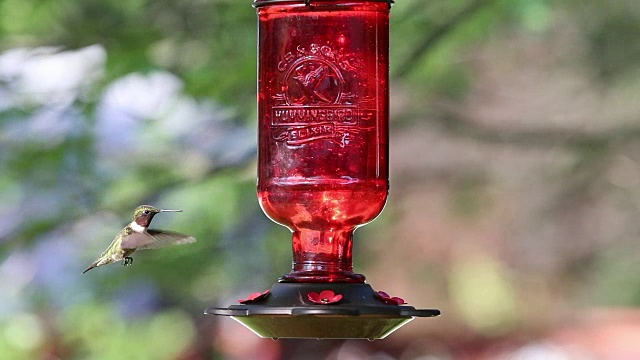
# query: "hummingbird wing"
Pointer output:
{"type": "Point", "coordinates": [155, 239]}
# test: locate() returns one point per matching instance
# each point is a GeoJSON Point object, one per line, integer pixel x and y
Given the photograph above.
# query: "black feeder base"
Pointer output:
{"type": "Point", "coordinates": [287, 312]}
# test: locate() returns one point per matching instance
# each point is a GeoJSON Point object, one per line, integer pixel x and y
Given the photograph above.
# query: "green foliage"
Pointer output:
{"type": "Point", "coordinates": [96, 331]}
{"type": "Point", "coordinates": [617, 279]}
{"type": "Point", "coordinates": [63, 178]}
{"type": "Point", "coordinates": [469, 197]}
{"type": "Point", "coordinates": [442, 35]}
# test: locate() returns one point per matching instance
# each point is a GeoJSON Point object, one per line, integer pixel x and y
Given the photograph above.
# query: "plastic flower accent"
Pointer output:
{"type": "Point", "coordinates": [324, 297]}
{"type": "Point", "coordinates": [257, 296]}
{"type": "Point", "coordinates": [390, 300]}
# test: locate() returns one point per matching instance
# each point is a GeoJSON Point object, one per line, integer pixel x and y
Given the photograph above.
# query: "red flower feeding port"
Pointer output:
{"type": "Point", "coordinates": [390, 300]}
{"type": "Point", "coordinates": [255, 297]}
{"type": "Point", "coordinates": [324, 297]}
{"type": "Point", "coordinates": [323, 108]}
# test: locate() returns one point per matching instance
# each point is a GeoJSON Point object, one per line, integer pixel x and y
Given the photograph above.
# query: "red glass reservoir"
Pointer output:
{"type": "Point", "coordinates": [323, 126]}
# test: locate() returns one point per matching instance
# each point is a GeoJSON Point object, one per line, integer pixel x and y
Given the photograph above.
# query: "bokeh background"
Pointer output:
{"type": "Point", "coordinates": [514, 208]}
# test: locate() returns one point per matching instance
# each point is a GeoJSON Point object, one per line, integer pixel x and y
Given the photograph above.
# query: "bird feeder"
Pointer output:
{"type": "Point", "coordinates": [323, 151]}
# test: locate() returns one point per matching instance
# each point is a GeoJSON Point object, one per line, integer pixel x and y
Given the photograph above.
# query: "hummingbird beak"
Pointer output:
{"type": "Point", "coordinates": [165, 210]}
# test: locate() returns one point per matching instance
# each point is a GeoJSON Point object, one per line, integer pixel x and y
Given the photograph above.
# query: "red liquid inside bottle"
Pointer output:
{"type": "Point", "coordinates": [323, 127]}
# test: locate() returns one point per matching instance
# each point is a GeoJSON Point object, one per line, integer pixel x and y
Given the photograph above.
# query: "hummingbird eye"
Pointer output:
{"type": "Point", "coordinates": [146, 212]}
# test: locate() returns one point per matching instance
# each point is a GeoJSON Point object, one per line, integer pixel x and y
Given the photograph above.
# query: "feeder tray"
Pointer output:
{"type": "Point", "coordinates": [288, 313]}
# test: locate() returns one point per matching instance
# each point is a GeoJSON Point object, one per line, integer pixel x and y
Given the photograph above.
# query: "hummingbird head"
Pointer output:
{"type": "Point", "coordinates": [145, 213]}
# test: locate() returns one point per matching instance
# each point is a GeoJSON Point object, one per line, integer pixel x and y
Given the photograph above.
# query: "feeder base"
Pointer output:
{"type": "Point", "coordinates": [288, 313]}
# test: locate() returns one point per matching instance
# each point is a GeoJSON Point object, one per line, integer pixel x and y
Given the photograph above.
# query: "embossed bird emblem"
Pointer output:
{"type": "Point", "coordinates": [137, 235]}
{"type": "Point", "coordinates": [310, 82]}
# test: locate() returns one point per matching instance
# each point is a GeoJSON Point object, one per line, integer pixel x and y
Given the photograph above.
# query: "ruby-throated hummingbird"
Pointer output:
{"type": "Point", "coordinates": [136, 235]}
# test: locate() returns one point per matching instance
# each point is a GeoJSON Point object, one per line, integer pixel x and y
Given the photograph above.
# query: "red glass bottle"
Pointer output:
{"type": "Point", "coordinates": [323, 126]}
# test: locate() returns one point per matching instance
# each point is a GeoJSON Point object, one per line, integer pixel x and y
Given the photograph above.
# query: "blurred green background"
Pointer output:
{"type": "Point", "coordinates": [515, 142]}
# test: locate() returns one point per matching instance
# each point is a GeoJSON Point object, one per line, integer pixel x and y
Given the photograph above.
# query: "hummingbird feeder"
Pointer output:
{"type": "Point", "coordinates": [323, 107]}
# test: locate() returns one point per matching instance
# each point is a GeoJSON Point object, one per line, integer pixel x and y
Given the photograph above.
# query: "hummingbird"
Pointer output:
{"type": "Point", "coordinates": [137, 235]}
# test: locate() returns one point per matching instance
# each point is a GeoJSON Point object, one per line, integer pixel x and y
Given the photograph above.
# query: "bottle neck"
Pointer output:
{"type": "Point", "coordinates": [323, 256]}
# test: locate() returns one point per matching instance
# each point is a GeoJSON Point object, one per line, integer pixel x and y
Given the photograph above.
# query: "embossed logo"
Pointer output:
{"type": "Point", "coordinates": [315, 102]}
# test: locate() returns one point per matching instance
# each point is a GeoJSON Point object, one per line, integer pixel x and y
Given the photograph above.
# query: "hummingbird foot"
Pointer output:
{"type": "Point", "coordinates": [127, 261]}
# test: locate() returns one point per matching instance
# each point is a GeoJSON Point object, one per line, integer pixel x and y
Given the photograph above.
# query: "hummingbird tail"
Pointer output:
{"type": "Point", "coordinates": [95, 264]}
